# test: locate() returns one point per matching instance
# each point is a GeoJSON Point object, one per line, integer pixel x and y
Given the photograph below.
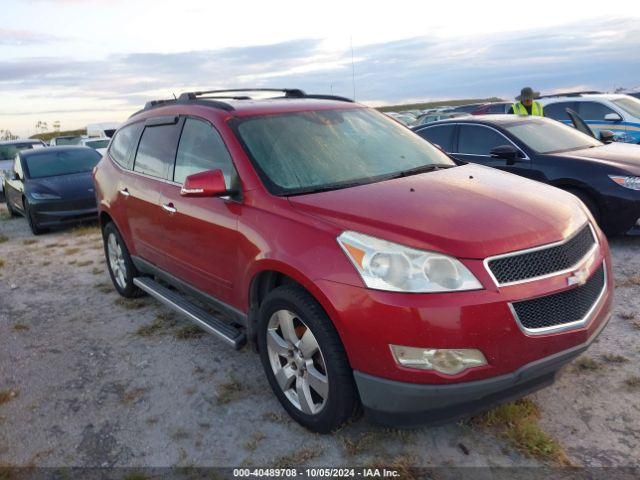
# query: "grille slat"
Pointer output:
{"type": "Point", "coordinates": [528, 265]}
{"type": "Point", "coordinates": [561, 308]}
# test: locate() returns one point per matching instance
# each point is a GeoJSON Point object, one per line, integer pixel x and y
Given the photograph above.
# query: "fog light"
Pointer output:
{"type": "Point", "coordinates": [448, 361]}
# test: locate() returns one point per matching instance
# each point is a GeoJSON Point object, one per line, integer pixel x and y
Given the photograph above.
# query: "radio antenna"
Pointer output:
{"type": "Point", "coordinates": [353, 70]}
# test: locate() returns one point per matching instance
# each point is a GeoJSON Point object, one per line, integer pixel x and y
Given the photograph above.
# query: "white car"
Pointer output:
{"type": "Point", "coordinates": [99, 144]}
{"type": "Point", "coordinates": [8, 151]}
{"type": "Point", "coordinates": [601, 111]}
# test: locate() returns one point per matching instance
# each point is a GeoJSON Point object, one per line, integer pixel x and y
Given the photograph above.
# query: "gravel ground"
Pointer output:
{"type": "Point", "coordinates": [84, 385]}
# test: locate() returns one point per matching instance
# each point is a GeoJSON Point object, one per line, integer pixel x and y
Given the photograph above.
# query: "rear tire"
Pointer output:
{"type": "Point", "coordinates": [298, 344]}
{"type": "Point", "coordinates": [121, 268]}
{"type": "Point", "coordinates": [33, 224]}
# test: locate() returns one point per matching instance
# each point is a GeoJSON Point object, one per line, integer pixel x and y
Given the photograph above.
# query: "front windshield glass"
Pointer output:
{"type": "Point", "coordinates": [7, 152]}
{"type": "Point", "coordinates": [550, 136]}
{"type": "Point", "coordinates": [319, 150]}
{"type": "Point", "coordinates": [629, 104]}
{"type": "Point", "coordinates": [66, 162]}
{"type": "Point", "coordinates": [97, 143]}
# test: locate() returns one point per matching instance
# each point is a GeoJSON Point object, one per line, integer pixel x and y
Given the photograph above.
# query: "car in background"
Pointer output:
{"type": "Point", "coordinates": [404, 118]}
{"type": "Point", "coordinates": [435, 116]}
{"type": "Point", "coordinates": [492, 108]}
{"type": "Point", "coordinates": [619, 113]}
{"type": "Point", "coordinates": [52, 186]}
{"type": "Point", "coordinates": [466, 108]}
{"type": "Point", "coordinates": [606, 177]}
{"type": "Point", "coordinates": [98, 144]}
{"type": "Point", "coordinates": [66, 140]}
{"type": "Point", "coordinates": [8, 151]}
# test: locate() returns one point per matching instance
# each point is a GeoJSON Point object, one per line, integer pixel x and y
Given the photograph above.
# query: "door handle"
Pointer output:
{"type": "Point", "coordinates": [168, 207]}
{"type": "Point", "coordinates": [124, 192]}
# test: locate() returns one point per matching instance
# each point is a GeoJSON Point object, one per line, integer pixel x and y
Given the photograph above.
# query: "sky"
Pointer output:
{"type": "Point", "coordinates": [87, 61]}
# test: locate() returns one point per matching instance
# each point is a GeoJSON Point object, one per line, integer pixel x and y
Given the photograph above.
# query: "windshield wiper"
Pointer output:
{"type": "Point", "coordinates": [421, 169]}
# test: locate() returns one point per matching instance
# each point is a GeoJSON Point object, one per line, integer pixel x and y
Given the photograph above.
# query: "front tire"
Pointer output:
{"type": "Point", "coordinates": [36, 229]}
{"type": "Point", "coordinates": [304, 360]}
{"type": "Point", "coordinates": [121, 268]}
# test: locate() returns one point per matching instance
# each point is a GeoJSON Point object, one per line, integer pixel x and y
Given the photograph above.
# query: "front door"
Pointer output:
{"type": "Point", "coordinates": [200, 235]}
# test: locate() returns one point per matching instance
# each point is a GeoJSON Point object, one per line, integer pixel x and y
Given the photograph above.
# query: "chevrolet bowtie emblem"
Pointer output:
{"type": "Point", "coordinates": [579, 277]}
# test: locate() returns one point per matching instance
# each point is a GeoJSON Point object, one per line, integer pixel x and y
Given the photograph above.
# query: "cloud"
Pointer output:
{"type": "Point", "coordinates": [419, 67]}
{"type": "Point", "coordinates": [20, 38]}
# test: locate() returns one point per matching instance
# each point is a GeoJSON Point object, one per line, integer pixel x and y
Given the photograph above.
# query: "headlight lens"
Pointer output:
{"type": "Point", "coordinates": [628, 182]}
{"type": "Point", "coordinates": [392, 267]}
{"type": "Point", "coordinates": [448, 360]}
{"type": "Point", "coordinates": [45, 196]}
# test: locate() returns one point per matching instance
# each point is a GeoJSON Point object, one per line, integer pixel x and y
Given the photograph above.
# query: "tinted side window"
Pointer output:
{"type": "Point", "coordinates": [593, 110]}
{"type": "Point", "coordinates": [558, 111]}
{"type": "Point", "coordinates": [123, 141]}
{"type": "Point", "coordinates": [200, 149]}
{"type": "Point", "coordinates": [157, 150]}
{"type": "Point", "coordinates": [441, 135]}
{"type": "Point", "coordinates": [477, 140]}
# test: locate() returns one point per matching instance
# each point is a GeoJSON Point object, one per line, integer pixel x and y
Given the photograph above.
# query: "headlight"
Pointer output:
{"type": "Point", "coordinates": [449, 360]}
{"type": "Point", "coordinates": [628, 182]}
{"type": "Point", "coordinates": [44, 196]}
{"type": "Point", "coordinates": [388, 266]}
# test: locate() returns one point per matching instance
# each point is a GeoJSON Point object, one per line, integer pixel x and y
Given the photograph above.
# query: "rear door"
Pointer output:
{"type": "Point", "coordinates": [200, 235]}
{"type": "Point", "coordinates": [558, 111]}
{"type": "Point", "coordinates": [152, 166]}
{"type": "Point", "coordinates": [440, 135]}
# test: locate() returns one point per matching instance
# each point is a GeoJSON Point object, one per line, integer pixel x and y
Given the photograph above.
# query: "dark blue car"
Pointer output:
{"type": "Point", "coordinates": [52, 186]}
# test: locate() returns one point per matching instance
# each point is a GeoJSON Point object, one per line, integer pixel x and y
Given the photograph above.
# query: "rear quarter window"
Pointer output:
{"type": "Point", "coordinates": [122, 146]}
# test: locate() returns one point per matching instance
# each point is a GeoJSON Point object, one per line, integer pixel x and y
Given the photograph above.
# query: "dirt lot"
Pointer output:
{"type": "Point", "coordinates": [87, 379]}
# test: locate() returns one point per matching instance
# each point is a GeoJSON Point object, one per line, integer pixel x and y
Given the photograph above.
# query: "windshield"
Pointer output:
{"type": "Point", "coordinates": [97, 143]}
{"type": "Point", "coordinates": [68, 140]}
{"type": "Point", "coordinates": [8, 152]}
{"type": "Point", "coordinates": [51, 164]}
{"type": "Point", "coordinates": [550, 136]}
{"type": "Point", "coordinates": [629, 104]}
{"type": "Point", "coordinates": [309, 151]}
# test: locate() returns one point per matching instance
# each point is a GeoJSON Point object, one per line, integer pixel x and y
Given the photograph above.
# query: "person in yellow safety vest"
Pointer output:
{"type": "Point", "coordinates": [526, 105]}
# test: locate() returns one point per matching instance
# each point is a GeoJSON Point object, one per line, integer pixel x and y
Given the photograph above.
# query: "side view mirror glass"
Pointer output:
{"type": "Point", "coordinates": [505, 152]}
{"type": "Point", "coordinates": [613, 117]}
{"type": "Point", "coordinates": [209, 183]}
{"type": "Point", "coordinates": [607, 136]}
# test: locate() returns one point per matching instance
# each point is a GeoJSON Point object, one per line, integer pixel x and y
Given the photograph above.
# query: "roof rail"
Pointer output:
{"type": "Point", "coordinates": [216, 100]}
{"type": "Point", "coordinates": [571, 94]}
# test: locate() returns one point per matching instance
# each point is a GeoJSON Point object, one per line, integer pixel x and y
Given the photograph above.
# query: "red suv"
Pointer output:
{"type": "Point", "coordinates": [367, 268]}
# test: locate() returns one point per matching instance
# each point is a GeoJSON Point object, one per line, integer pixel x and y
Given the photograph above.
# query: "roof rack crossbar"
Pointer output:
{"type": "Point", "coordinates": [288, 92]}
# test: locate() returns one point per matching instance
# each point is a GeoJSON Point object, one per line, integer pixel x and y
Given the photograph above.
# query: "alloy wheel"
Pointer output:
{"type": "Point", "coordinates": [116, 261]}
{"type": "Point", "coordinates": [297, 362]}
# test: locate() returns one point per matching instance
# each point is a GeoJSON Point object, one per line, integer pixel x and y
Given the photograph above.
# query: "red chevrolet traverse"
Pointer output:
{"type": "Point", "coordinates": [365, 266]}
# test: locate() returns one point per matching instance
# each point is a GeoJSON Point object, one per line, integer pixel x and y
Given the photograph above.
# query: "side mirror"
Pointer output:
{"type": "Point", "coordinates": [613, 117]}
{"type": "Point", "coordinates": [209, 183]}
{"type": "Point", "coordinates": [505, 152]}
{"type": "Point", "coordinates": [607, 136]}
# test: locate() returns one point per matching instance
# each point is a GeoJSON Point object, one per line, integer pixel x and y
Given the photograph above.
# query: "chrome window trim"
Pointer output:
{"type": "Point", "coordinates": [526, 157]}
{"type": "Point", "coordinates": [564, 326]}
{"type": "Point", "coordinates": [586, 256]}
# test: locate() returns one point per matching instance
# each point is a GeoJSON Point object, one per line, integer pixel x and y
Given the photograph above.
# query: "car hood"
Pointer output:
{"type": "Point", "coordinates": [469, 211]}
{"type": "Point", "coordinates": [76, 185]}
{"type": "Point", "coordinates": [624, 155]}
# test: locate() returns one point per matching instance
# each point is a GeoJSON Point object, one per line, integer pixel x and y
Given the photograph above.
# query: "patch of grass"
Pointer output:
{"type": "Point", "coordinates": [630, 281]}
{"type": "Point", "coordinates": [151, 328]}
{"type": "Point", "coordinates": [402, 464]}
{"type": "Point", "coordinates": [1, 263]}
{"type": "Point", "coordinates": [518, 423]}
{"type": "Point", "coordinates": [19, 327]}
{"type": "Point", "coordinates": [131, 303]}
{"type": "Point", "coordinates": [587, 364]}
{"type": "Point", "coordinates": [611, 358]}
{"type": "Point", "coordinates": [46, 263]}
{"type": "Point", "coordinates": [136, 476]}
{"type": "Point", "coordinates": [273, 417]}
{"type": "Point", "coordinates": [627, 315]}
{"type": "Point", "coordinates": [4, 238]}
{"type": "Point", "coordinates": [189, 332]}
{"type": "Point", "coordinates": [97, 271]}
{"type": "Point", "coordinates": [299, 457]}
{"type": "Point", "coordinates": [71, 251]}
{"type": "Point", "coordinates": [252, 443]}
{"type": "Point", "coordinates": [5, 215]}
{"type": "Point", "coordinates": [132, 395]}
{"type": "Point", "coordinates": [179, 434]}
{"type": "Point", "coordinates": [361, 443]}
{"type": "Point", "coordinates": [636, 325]}
{"type": "Point", "coordinates": [30, 241]}
{"type": "Point", "coordinates": [84, 263]}
{"type": "Point", "coordinates": [230, 391]}
{"type": "Point", "coordinates": [83, 230]}
{"type": "Point", "coordinates": [7, 395]}
{"type": "Point", "coordinates": [633, 382]}
{"type": "Point", "coordinates": [72, 262]}
{"type": "Point", "coordinates": [103, 287]}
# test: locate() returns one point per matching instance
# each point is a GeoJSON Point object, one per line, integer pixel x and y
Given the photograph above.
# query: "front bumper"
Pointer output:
{"type": "Point", "coordinates": [408, 404]}
{"type": "Point", "coordinates": [49, 213]}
